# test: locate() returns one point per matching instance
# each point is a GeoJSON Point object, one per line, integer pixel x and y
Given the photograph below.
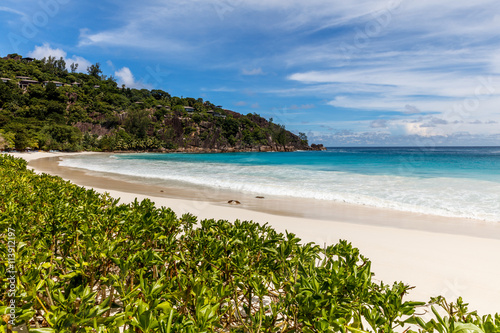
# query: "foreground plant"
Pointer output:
{"type": "Point", "coordinates": [86, 263]}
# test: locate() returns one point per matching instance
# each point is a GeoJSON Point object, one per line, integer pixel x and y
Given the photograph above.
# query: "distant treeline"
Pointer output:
{"type": "Point", "coordinates": [45, 106]}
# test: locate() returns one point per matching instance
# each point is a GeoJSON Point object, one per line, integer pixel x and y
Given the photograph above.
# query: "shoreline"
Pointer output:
{"type": "Point", "coordinates": [275, 205]}
{"type": "Point", "coordinates": [440, 256]}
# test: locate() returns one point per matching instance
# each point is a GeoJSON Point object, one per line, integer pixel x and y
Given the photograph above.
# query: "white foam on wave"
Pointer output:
{"type": "Point", "coordinates": [442, 196]}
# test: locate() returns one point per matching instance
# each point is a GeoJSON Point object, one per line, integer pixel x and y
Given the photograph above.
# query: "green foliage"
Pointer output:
{"type": "Point", "coordinates": [455, 318]}
{"type": "Point", "coordinates": [8, 92]}
{"type": "Point", "coordinates": [21, 141]}
{"type": "Point", "coordinates": [280, 134]}
{"type": "Point", "coordinates": [303, 138]}
{"type": "Point", "coordinates": [74, 67]}
{"type": "Point", "coordinates": [51, 91]}
{"type": "Point", "coordinates": [7, 140]}
{"type": "Point", "coordinates": [95, 70]}
{"type": "Point", "coordinates": [53, 66]}
{"type": "Point", "coordinates": [230, 126]}
{"type": "Point", "coordinates": [178, 108]}
{"type": "Point", "coordinates": [137, 122]}
{"type": "Point", "coordinates": [87, 263]}
{"type": "Point", "coordinates": [60, 137]}
{"type": "Point", "coordinates": [160, 94]}
{"type": "Point", "coordinates": [259, 136]}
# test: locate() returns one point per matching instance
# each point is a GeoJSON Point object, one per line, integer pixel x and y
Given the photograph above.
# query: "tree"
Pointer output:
{"type": "Point", "coordinates": [199, 106]}
{"type": "Point", "coordinates": [230, 127]}
{"type": "Point", "coordinates": [137, 122]}
{"type": "Point", "coordinates": [21, 140]}
{"type": "Point", "coordinates": [6, 140]}
{"type": "Point", "coordinates": [303, 138]}
{"type": "Point", "coordinates": [95, 70]}
{"type": "Point", "coordinates": [57, 136]}
{"type": "Point", "coordinates": [37, 91]}
{"type": "Point", "coordinates": [55, 107]}
{"type": "Point", "coordinates": [5, 92]}
{"type": "Point", "coordinates": [60, 65]}
{"type": "Point", "coordinates": [259, 136]}
{"type": "Point", "coordinates": [51, 91]}
{"type": "Point", "coordinates": [74, 67]}
{"type": "Point", "coordinates": [281, 136]}
{"type": "Point", "coordinates": [54, 66]}
{"type": "Point", "coordinates": [159, 94]}
{"type": "Point", "coordinates": [247, 137]}
{"type": "Point", "coordinates": [178, 108]}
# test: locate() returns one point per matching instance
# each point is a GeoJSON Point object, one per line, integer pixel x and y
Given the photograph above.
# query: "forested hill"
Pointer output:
{"type": "Point", "coordinates": [45, 106]}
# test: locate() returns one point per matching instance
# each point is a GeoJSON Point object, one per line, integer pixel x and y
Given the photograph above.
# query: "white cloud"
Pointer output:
{"type": "Point", "coordinates": [404, 80]}
{"type": "Point", "coordinates": [126, 77]}
{"type": "Point", "coordinates": [45, 51]}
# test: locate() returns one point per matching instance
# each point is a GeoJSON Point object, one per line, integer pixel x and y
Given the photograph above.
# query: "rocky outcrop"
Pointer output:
{"type": "Point", "coordinates": [318, 147]}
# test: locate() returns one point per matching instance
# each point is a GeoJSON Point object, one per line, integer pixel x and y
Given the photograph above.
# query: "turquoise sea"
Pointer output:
{"type": "Point", "coordinates": [445, 181]}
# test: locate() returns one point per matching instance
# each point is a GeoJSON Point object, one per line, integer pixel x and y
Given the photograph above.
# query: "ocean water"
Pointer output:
{"type": "Point", "coordinates": [445, 181]}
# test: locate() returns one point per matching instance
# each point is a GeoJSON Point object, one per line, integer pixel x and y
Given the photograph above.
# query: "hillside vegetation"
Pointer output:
{"type": "Point", "coordinates": [45, 106]}
{"type": "Point", "coordinates": [77, 261]}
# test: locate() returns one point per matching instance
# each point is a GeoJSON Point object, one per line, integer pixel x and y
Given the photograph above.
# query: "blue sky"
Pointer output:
{"type": "Point", "coordinates": [346, 73]}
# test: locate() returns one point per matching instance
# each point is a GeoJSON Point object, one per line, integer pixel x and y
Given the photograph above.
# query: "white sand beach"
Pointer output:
{"type": "Point", "coordinates": [442, 257]}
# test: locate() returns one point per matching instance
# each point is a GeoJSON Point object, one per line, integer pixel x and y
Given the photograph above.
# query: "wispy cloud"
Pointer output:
{"type": "Point", "coordinates": [131, 37]}
{"type": "Point", "coordinates": [180, 25]}
{"type": "Point", "coordinates": [10, 10]}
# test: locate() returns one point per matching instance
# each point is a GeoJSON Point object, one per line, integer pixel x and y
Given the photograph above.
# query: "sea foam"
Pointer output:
{"type": "Point", "coordinates": [423, 190]}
